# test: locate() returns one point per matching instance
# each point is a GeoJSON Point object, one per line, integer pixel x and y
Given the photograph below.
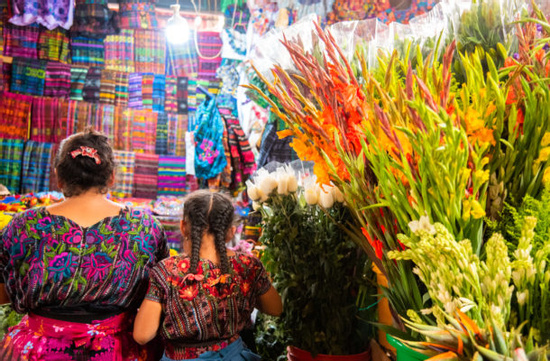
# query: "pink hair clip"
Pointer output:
{"type": "Point", "coordinates": [87, 152]}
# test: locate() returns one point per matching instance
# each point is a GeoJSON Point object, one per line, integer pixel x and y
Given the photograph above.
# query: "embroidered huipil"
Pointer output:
{"type": "Point", "coordinates": [205, 311]}
{"type": "Point", "coordinates": [49, 262]}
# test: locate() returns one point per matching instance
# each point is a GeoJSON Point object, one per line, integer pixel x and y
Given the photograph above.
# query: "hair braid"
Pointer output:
{"type": "Point", "coordinates": [221, 223]}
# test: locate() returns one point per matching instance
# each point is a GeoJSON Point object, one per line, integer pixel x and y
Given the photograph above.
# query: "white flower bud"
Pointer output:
{"type": "Point", "coordinates": [253, 192]}
{"type": "Point", "coordinates": [326, 200]}
{"type": "Point", "coordinates": [311, 196]}
{"type": "Point", "coordinates": [256, 206]}
{"type": "Point", "coordinates": [282, 186]}
{"type": "Point", "coordinates": [338, 195]}
{"type": "Point", "coordinates": [292, 183]}
{"type": "Point", "coordinates": [267, 184]}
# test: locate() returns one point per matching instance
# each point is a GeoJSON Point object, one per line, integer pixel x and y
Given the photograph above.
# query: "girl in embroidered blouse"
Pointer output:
{"type": "Point", "coordinates": [201, 300]}
{"type": "Point", "coordinates": [79, 268]}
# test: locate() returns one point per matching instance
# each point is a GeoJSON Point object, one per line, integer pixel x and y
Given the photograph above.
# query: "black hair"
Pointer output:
{"type": "Point", "coordinates": [210, 212]}
{"type": "Point", "coordinates": [81, 173]}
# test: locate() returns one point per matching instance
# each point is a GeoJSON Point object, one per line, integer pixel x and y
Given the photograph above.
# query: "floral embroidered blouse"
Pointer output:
{"type": "Point", "coordinates": [205, 308]}
{"type": "Point", "coordinates": [49, 262]}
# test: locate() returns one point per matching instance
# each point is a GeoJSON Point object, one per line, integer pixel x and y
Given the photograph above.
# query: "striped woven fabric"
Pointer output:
{"type": "Point", "coordinates": [14, 115]}
{"type": "Point", "coordinates": [147, 81]}
{"type": "Point", "coordinates": [174, 123]}
{"type": "Point", "coordinates": [90, 91]}
{"type": "Point", "coordinates": [11, 156]}
{"type": "Point", "coordinates": [27, 76]}
{"type": "Point", "coordinates": [183, 95]}
{"type": "Point", "coordinates": [95, 121]}
{"type": "Point", "coordinates": [76, 115]}
{"type": "Point", "coordinates": [44, 119]}
{"type": "Point", "coordinates": [1, 75]}
{"type": "Point", "coordinates": [1, 36]}
{"type": "Point", "coordinates": [36, 167]}
{"type": "Point", "coordinates": [150, 51]}
{"type": "Point", "coordinates": [124, 178]}
{"type": "Point", "coordinates": [6, 75]}
{"type": "Point", "coordinates": [146, 176]}
{"type": "Point", "coordinates": [134, 89]}
{"type": "Point", "coordinates": [92, 18]}
{"type": "Point", "coordinates": [182, 59]}
{"type": "Point", "coordinates": [57, 82]}
{"type": "Point", "coordinates": [87, 51]}
{"type": "Point", "coordinates": [144, 128]}
{"type": "Point", "coordinates": [54, 45]}
{"type": "Point", "coordinates": [121, 88]}
{"type": "Point", "coordinates": [170, 94]}
{"type": "Point", "coordinates": [21, 41]}
{"type": "Point", "coordinates": [119, 51]}
{"type": "Point", "coordinates": [159, 87]}
{"type": "Point", "coordinates": [123, 128]}
{"type": "Point", "coordinates": [137, 15]}
{"type": "Point", "coordinates": [161, 146]}
{"type": "Point", "coordinates": [210, 45]}
{"type": "Point", "coordinates": [107, 116]}
{"type": "Point", "coordinates": [107, 89]}
{"type": "Point", "coordinates": [62, 124]}
{"type": "Point", "coordinates": [182, 125]}
{"type": "Point", "coordinates": [171, 176]}
{"type": "Point", "coordinates": [195, 98]}
{"type": "Point", "coordinates": [78, 78]}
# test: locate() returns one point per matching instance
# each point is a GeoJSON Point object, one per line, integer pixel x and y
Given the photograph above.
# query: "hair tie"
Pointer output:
{"type": "Point", "coordinates": [86, 152]}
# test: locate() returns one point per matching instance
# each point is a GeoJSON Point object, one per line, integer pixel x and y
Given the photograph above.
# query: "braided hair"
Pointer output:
{"type": "Point", "coordinates": [213, 213]}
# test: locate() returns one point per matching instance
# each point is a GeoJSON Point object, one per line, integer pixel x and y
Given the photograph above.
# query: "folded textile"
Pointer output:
{"type": "Point", "coordinates": [137, 15]}
{"type": "Point", "coordinates": [54, 45]}
{"type": "Point", "coordinates": [36, 167]}
{"type": "Point", "coordinates": [119, 51]}
{"type": "Point", "coordinates": [171, 176]}
{"type": "Point", "coordinates": [14, 115]}
{"type": "Point", "coordinates": [124, 178]}
{"type": "Point", "coordinates": [107, 88]}
{"type": "Point", "coordinates": [121, 88]}
{"type": "Point", "coordinates": [145, 176]}
{"type": "Point", "coordinates": [150, 51]}
{"type": "Point", "coordinates": [11, 156]}
{"type": "Point", "coordinates": [134, 89]}
{"type": "Point", "coordinates": [94, 19]}
{"type": "Point", "coordinates": [21, 41]}
{"type": "Point", "coordinates": [57, 82]}
{"type": "Point", "coordinates": [44, 119]}
{"type": "Point", "coordinates": [87, 51]}
{"type": "Point", "coordinates": [78, 79]}
{"type": "Point", "coordinates": [27, 76]}
{"type": "Point", "coordinates": [90, 91]}
{"type": "Point", "coordinates": [170, 94]}
{"type": "Point", "coordinates": [144, 128]}
{"type": "Point", "coordinates": [48, 13]}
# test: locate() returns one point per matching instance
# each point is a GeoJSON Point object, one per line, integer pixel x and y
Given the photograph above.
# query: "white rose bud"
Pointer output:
{"type": "Point", "coordinates": [326, 200]}
{"type": "Point", "coordinates": [292, 183]}
{"type": "Point", "coordinates": [267, 184]}
{"type": "Point", "coordinates": [253, 191]}
{"type": "Point", "coordinates": [256, 206]}
{"type": "Point", "coordinates": [311, 196]}
{"type": "Point", "coordinates": [338, 195]}
{"type": "Point", "coordinates": [282, 186]}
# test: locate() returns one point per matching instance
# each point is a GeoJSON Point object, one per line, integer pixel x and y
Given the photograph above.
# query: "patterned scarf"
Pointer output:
{"type": "Point", "coordinates": [44, 119]}
{"type": "Point", "coordinates": [14, 115]}
{"type": "Point", "coordinates": [210, 45]}
{"type": "Point", "coordinates": [21, 41]}
{"type": "Point", "coordinates": [119, 51]}
{"type": "Point", "coordinates": [58, 80]}
{"type": "Point", "coordinates": [27, 76]}
{"type": "Point", "coordinates": [87, 51]}
{"type": "Point", "coordinates": [54, 45]}
{"type": "Point", "coordinates": [144, 127]}
{"type": "Point", "coordinates": [37, 163]}
{"type": "Point", "coordinates": [150, 51]}
{"type": "Point", "coordinates": [146, 176]}
{"type": "Point", "coordinates": [137, 15]}
{"type": "Point", "coordinates": [107, 89]}
{"type": "Point", "coordinates": [123, 128]}
{"type": "Point", "coordinates": [107, 125]}
{"type": "Point", "coordinates": [159, 87]}
{"type": "Point", "coordinates": [147, 81]}
{"type": "Point", "coordinates": [171, 176]}
{"type": "Point", "coordinates": [11, 155]}
{"type": "Point", "coordinates": [90, 91]}
{"type": "Point", "coordinates": [135, 94]}
{"type": "Point", "coordinates": [170, 94]}
{"type": "Point", "coordinates": [124, 179]}
{"type": "Point", "coordinates": [161, 146]}
{"type": "Point", "coordinates": [78, 79]}
{"type": "Point", "coordinates": [121, 88]}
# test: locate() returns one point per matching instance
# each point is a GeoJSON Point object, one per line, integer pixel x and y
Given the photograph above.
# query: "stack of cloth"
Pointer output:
{"type": "Point", "coordinates": [119, 51]}
{"type": "Point", "coordinates": [177, 126]}
{"type": "Point", "coordinates": [14, 115]}
{"type": "Point", "coordinates": [137, 14]}
{"type": "Point", "coordinates": [57, 82]}
{"type": "Point", "coordinates": [87, 51]}
{"type": "Point", "coordinates": [44, 119]}
{"type": "Point", "coordinates": [78, 78]}
{"type": "Point", "coordinates": [150, 51]}
{"type": "Point", "coordinates": [21, 41]}
{"type": "Point", "coordinates": [37, 163]}
{"type": "Point", "coordinates": [11, 155]}
{"type": "Point", "coordinates": [28, 76]}
{"type": "Point", "coordinates": [54, 45]}
{"type": "Point", "coordinates": [145, 176]}
{"type": "Point", "coordinates": [124, 179]}
{"type": "Point", "coordinates": [171, 176]}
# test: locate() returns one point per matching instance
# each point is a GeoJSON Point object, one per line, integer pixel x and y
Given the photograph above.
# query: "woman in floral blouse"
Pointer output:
{"type": "Point", "coordinates": [79, 268]}
{"type": "Point", "coordinates": [208, 293]}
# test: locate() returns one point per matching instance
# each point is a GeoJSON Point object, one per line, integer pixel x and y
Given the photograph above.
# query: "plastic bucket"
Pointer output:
{"type": "Point", "coordinates": [296, 354]}
{"type": "Point", "coordinates": [404, 352]}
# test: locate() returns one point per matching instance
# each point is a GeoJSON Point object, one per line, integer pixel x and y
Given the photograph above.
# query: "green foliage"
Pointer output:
{"type": "Point", "coordinates": [8, 318]}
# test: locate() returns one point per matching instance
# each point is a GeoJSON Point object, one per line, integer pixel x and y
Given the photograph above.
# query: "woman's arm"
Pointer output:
{"type": "Point", "coordinates": [147, 321]}
{"type": "Point", "coordinates": [270, 303]}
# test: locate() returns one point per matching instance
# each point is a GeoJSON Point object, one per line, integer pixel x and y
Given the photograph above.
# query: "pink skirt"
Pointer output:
{"type": "Point", "coordinates": [45, 339]}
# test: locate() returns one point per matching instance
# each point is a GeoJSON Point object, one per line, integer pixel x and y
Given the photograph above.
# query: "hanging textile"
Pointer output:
{"type": "Point", "coordinates": [195, 98]}
{"type": "Point", "coordinates": [182, 95]}
{"type": "Point", "coordinates": [124, 179]}
{"type": "Point", "coordinates": [274, 149]}
{"type": "Point", "coordinates": [161, 146]}
{"type": "Point", "coordinates": [225, 176]}
{"type": "Point", "coordinates": [170, 94]}
{"type": "Point", "coordinates": [134, 89]}
{"type": "Point", "coordinates": [78, 79]}
{"type": "Point", "coordinates": [159, 87]}
{"type": "Point", "coordinates": [147, 91]}
{"type": "Point", "coordinates": [119, 51]}
{"type": "Point", "coordinates": [1, 76]}
{"type": "Point", "coordinates": [121, 88]}
{"type": "Point", "coordinates": [6, 75]}
{"type": "Point", "coordinates": [209, 153]}
{"type": "Point", "coordinates": [57, 82]}
{"type": "Point", "coordinates": [44, 119]}
{"type": "Point", "coordinates": [37, 163]}
{"type": "Point", "coordinates": [107, 116]}
{"type": "Point", "coordinates": [11, 155]}
{"type": "Point", "coordinates": [21, 41]}
{"type": "Point", "coordinates": [171, 176]}
{"type": "Point", "coordinates": [77, 116]}
{"type": "Point", "coordinates": [182, 124]}
{"type": "Point", "coordinates": [237, 16]}
{"type": "Point", "coordinates": [242, 159]}
{"type": "Point", "coordinates": [150, 51]}
{"type": "Point", "coordinates": [182, 59]}
{"type": "Point", "coordinates": [416, 8]}
{"type": "Point", "coordinates": [90, 91]}
{"type": "Point", "coordinates": [123, 128]}
{"type": "Point", "coordinates": [146, 176]}
{"type": "Point", "coordinates": [95, 121]}
{"type": "Point", "coordinates": [27, 76]}
{"type": "Point", "coordinates": [54, 45]}
{"type": "Point", "coordinates": [14, 115]}
{"type": "Point", "coordinates": [87, 51]}
{"type": "Point", "coordinates": [209, 44]}
{"type": "Point", "coordinates": [144, 127]}
{"type": "Point", "coordinates": [93, 19]}
{"type": "Point", "coordinates": [107, 88]}
{"type": "Point", "coordinates": [62, 122]}
{"type": "Point", "coordinates": [135, 14]}
{"type": "Point", "coordinates": [48, 13]}
{"type": "Point", "coordinates": [174, 122]}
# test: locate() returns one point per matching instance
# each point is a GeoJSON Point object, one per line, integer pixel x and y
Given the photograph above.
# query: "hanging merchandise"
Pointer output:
{"type": "Point", "coordinates": [87, 51]}
{"type": "Point", "coordinates": [147, 90]}
{"type": "Point", "coordinates": [390, 14]}
{"type": "Point", "coordinates": [53, 45]}
{"type": "Point", "coordinates": [159, 87]}
{"type": "Point", "coordinates": [237, 17]}
{"type": "Point", "coordinates": [161, 146]}
{"type": "Point", "coordinates": [121, 88]}
{"type": "Point", "coordinates": [182, 59]}
{"type": "Point", "coordinates": [172, 176]}
{"type": "Point", "coordinates": [48, 13]}
{"type": "Point", "coordinates": [14, 115]}
{"type": "Point", "coordinates": [150, 51]}
{"type": "Point", "coordinates": [125, 173]}
{"type": "Point", "coordinates": [209, 47]}
{"type": "Point", "coordinates": [134, 89]}
{"type": "Point", "coordinates": [209, 153]}
{"type": "Point", "coordinates": [234, 44]}
{"type": "Point", "coordinates": [21, 41]}
{"type": "Point", "coordinates": [144, 128]}
{"type": "Point", "coordinates": [170, 94]}
{"type": "Point", "coordinates": [190, 152]}
{"type": "Point", "coordinates": [181, 122]}
{"type": "Point", "coordinates": [92, 84]}
{"type": "Point", "coordinates": [107, 87]}
{"type": "Point", "coordinates": [123, 129]}
{"type": "Point", "coordinates": [78, 78]}
{"type": "Point", "coordinates": [37, 160]}
{"type": "Point", "coordinates": [119, 51]}
{"type": "Point", "coordinates": [44, 119]}
{"type": "Point", "coordinates": [1, 76]}
{"type": "Point", "coordinates": [6, 75]}
{"type": "Point", "coordinates": [243, 162]}
{"type": "Point", "coordinates": [182, 95]}
{"type": "Point", "coordinates": [146, 176]}
{"type": "Point", "coordinates": [93, 19]}
{"type": "Point", "coordinates": [11, 155]}
{"type": "Point", "coordinates": [136, 14]}
{"type": "Point", "coordinates": [28, 76]}
{"type": "Point", "coordinates": [57, 81]}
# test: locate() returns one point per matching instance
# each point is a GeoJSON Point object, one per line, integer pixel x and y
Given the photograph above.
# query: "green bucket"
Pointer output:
{"type": "Point", "coordinates": [404, 352]}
